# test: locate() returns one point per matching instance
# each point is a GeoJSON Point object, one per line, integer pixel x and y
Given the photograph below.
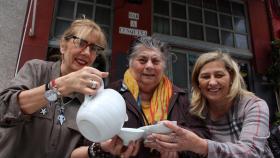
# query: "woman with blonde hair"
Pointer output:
{"type": "Point", "coordinates": [237, 119]}
{"type": "Point", "coordinates": [39, 106]}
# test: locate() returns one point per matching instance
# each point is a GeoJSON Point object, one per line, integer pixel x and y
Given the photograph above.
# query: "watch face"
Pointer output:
{"type": "Point", "coordinates": [51, 95]}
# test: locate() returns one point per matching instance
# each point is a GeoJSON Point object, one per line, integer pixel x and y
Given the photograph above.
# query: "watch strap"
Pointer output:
{"type": "Point", "coordinates": [95, 151]}
{"type": "Point", "coordinates": [47, 86]}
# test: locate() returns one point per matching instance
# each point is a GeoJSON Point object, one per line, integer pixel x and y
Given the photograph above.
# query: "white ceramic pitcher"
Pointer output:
{"type": "Point", "coordinates": [102, 116]}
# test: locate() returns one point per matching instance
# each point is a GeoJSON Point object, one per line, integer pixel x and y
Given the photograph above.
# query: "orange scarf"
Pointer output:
{"type": "Point", "coordinates": [157, 109]}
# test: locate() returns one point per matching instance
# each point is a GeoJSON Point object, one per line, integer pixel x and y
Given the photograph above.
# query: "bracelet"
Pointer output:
{"type": "Point", "coordinates": [53, 86]}
{"type": "Point", "coordinates": [53, 83]}
{"type": "Point", "coordinates": [95, 151]}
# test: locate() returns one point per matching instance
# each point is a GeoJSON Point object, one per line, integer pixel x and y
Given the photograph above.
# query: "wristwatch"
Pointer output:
{"type": "Point", "coordinates": [95, 151]}
{"type": "Point", "coordinates": [51, 93]}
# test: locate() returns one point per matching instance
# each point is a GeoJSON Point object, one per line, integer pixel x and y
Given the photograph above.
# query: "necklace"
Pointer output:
{"type": "Point", "coordinates": [61, 117]}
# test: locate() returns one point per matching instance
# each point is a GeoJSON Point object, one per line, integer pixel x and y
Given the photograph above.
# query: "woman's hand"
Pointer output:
{"type": "Point", "coordinates": [151, 143]}
{"type": "Point", "coordinates": [181, 139]}
{"type": "Point", "coordinates": [81, 81]}
{"type": "Point", "coordinates": [116, 147]}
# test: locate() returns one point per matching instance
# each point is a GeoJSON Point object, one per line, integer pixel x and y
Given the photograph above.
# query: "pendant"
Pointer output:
{"type": "Point", "coordinates": [61, 110]}
{"type": "Point", "coordinates": [43, 111]}
{"type": "Point", "coordinates": [61, 119]}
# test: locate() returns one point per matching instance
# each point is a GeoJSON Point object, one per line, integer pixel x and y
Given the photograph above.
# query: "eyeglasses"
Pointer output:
{"type": "Point", "coordinates": [82, 44]}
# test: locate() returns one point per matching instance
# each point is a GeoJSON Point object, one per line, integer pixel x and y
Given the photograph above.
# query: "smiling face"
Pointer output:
{"type": "Point", "coordinates": [74, 57]}
{"type": "Point", "coordinates": [147, 68]}
{"type": "Point", "coordinates": [214, 82]}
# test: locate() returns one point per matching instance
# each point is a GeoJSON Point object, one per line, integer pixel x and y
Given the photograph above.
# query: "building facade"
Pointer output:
{"type": "Point", "coordinates": [243, 28]}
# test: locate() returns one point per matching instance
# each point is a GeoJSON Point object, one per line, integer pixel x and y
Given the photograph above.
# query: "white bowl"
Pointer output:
{"type": "Point", "coordinates": [157, 128]}
{"type": "Point", "coordinates": [130, 134]}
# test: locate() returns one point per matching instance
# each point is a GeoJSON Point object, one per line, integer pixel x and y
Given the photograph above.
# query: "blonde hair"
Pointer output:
{"type": "Point", "coordinates": [237, 88]}
{"type": "Point", "coordinates": [84, 28]}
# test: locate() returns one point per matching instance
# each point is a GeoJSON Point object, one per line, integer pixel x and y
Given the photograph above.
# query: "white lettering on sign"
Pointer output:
{"type": "Point", "coordinates": [134, 16]}
{"type": "Point", "coordinates": [131, 31]}
{"type": "Point", "coordinates": [133, 23]}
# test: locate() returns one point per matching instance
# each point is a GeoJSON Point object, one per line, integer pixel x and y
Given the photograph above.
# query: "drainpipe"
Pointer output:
{"type": "Point", "coordinates": [269, 16]}
{"type": "Point", "coordinates": [32, 29]}
{"type": "Point", "coordinates": [31, 32]}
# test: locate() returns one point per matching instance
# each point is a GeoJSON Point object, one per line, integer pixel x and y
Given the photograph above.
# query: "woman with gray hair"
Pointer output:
{"type": "Point", "coordinates": [150, 97]}
{"type": "Point", "coordinates": [237, 119]}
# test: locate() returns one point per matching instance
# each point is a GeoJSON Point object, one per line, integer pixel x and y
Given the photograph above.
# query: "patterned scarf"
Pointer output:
{"type": "Point", "coordinates": [157, 109]}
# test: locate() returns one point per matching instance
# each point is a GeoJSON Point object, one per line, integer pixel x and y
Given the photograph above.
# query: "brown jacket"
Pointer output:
{"type": "Point", "coordinates": [37, 135]}
{"type": "Point", "coordinates": [178, 110]}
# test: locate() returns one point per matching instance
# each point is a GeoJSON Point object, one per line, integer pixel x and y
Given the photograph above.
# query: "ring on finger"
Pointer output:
{"type": "Point", "coordinates": [93, 84]}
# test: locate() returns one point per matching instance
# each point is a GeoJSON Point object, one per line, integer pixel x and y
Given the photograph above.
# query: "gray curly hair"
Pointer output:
{"type": "Point", "coordinates": [150, 43]}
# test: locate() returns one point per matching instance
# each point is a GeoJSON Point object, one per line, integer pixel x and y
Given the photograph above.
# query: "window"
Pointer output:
{"type": "Point", "coordinates": [69, 10]}
{"type": "Point", "coordinates": [179, 69]}
{"type": "Point", "coordinates": [222, 22]}
{"type": "Point", "coordinates": [245, 71]}
{"type": "Point", "coordinates": [181, 66]}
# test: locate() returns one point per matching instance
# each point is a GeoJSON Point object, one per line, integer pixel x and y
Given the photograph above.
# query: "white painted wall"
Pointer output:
{"type": "Point", "coordinates": [12, 16]}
